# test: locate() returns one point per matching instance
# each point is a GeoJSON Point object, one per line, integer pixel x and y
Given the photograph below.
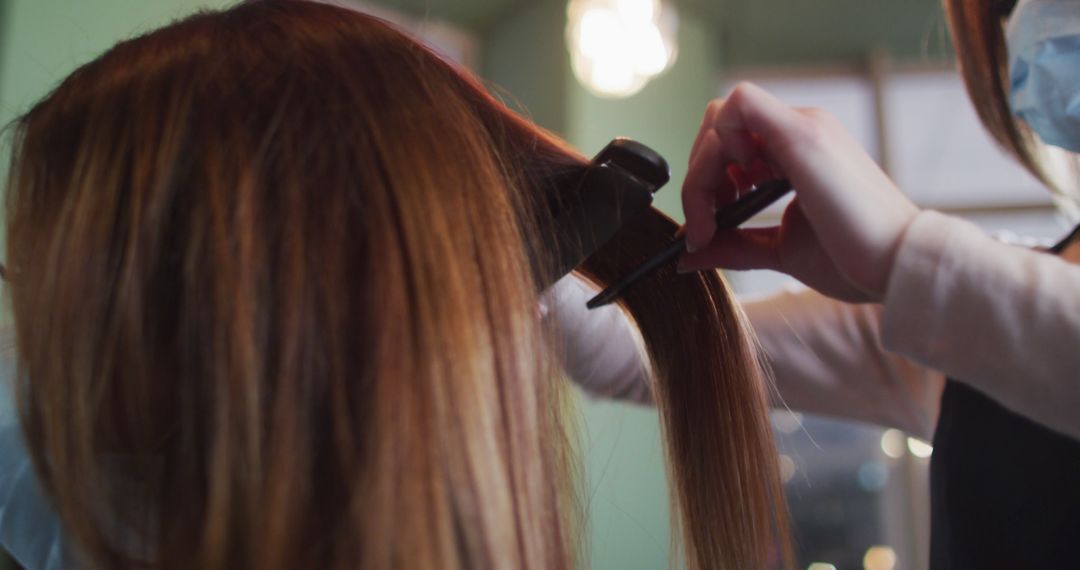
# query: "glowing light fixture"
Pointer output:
{"type": "Point", "coordinates": [618, 46]}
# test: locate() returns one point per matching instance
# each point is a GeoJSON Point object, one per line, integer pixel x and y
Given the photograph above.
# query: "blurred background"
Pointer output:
{"type": "Point", "coordinates": [591, 70]}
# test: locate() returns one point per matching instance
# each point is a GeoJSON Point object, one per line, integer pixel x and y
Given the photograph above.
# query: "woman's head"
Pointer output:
{"type": "Point", "coordinates": [274, 310]}
{"type": "Point", "coordinates": [257, 246]}
{"type": "Point", "coordinates": [978, 32]}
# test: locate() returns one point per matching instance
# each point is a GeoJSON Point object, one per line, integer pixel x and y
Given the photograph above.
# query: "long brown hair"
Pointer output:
{"type": "Point", "coordinates": [274, 310]}
{"type": "Point", "coordinates": [977, 28]}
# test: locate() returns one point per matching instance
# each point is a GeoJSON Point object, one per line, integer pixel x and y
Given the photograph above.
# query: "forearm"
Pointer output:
{"type": "Point", "coordinates": [1002, 318]}
{"type": "Point", "coordinates": [827, 357]}
{"type": "Point", "coordinates": [600, 349]}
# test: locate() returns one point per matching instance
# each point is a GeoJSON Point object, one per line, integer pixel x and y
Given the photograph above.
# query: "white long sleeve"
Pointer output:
{"type": "Point", "coordinates": [1004, 319]}
{"type": "Point", "coordinates": [601, 350]}
{"type": "Point", "coordinates": [827, 357]}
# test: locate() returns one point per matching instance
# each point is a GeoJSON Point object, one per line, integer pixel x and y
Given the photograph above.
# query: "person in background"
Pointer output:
{"type": "Point", "coordinates": [913, 319]}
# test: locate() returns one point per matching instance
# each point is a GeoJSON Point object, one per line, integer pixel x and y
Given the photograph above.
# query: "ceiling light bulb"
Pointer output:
{"type": "Point", "coordinates": [618, 46]}
{"type": "Point", "coordinates": [638, 10]}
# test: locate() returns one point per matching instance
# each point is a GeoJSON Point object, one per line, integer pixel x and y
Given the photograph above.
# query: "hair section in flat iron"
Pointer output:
{"type": "Point", "coordinates": [589, 206]}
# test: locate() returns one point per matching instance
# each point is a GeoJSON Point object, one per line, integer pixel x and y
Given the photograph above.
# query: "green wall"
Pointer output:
{"type": "Point", "coordinates": [826, 32]}
{"type": "Point", "coordinates": [47, 39]}
{"type": "Point", "coordinates": [533, 80]}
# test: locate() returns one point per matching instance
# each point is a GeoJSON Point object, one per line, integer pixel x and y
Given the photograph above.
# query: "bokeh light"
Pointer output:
{"type": "Point", "coordinates": [893, 442]}
{"type": "Point", "coordinates": [919, 448]}
{"type": "Point", "coordinates": [879, 558]}
{"type": "Point", "coordinates": [618, 46]}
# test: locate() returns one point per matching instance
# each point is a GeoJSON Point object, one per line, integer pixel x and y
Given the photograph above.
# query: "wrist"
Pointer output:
{"type": "Point", "coordinates": [902, 225]}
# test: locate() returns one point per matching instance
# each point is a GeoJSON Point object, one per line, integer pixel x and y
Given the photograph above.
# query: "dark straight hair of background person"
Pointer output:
{"type": "Point", "coordinates": [977, 28]}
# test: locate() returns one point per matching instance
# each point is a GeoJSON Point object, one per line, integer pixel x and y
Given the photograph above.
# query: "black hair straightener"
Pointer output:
{"type": "Point", "coordinates": [617, 188]}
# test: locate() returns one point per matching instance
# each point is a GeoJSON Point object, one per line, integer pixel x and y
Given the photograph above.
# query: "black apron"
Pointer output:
{"type": "Point", "coordinates": [1004, 491]}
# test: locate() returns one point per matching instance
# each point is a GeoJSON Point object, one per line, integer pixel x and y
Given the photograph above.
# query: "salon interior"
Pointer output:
{"type": "Point", "coordinates": [590, 70]}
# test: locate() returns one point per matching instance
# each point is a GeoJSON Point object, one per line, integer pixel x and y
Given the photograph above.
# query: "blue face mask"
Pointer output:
{"type": "Point", "coordinates": [1043, 38]}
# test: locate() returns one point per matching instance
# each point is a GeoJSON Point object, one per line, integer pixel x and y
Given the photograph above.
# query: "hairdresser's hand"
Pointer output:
{"type": "Point", "coordinates": [841, 232]}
